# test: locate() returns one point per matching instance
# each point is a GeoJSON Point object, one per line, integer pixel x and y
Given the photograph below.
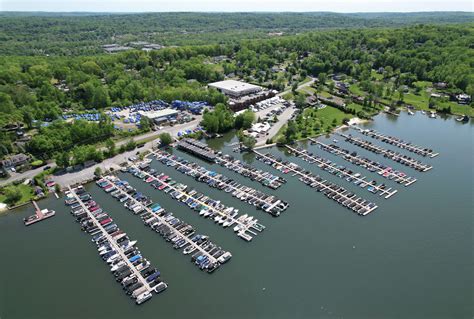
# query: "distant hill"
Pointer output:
{"type": "Point", "coordinates": [76, 33]}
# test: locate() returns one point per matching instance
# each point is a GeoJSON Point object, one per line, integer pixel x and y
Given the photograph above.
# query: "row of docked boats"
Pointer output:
{"type": "Point", "coordinates": [136, 275]}
{"type": "Point", "coordinates": [390, 154]}
{"type": "Point", "coordinates": [265, 178]}
{"type": "Point", "coordinates": [333, 191]}
{"type": "Point", "coordinates": [175, 231]}
{"type": "Point", "coordinates": [259, 199]}
{"type": "Point", "coordinates": [398, 142]}
{"type": "Point", "coordinates": [341, 171]}
{"type": "Point", "coordinates": [204, 205]}
{"type": "Point", "coordinates": [372, 166]}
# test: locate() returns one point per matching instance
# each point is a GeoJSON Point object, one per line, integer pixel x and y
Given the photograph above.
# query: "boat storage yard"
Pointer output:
{"type": "Point", "coordinates": [134, 272]}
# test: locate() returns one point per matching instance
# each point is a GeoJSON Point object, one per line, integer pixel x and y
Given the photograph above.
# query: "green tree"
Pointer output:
{"type": "Point", "coordinates": [165, 139]}
{"type": "Point", "coordinates": [12, 194]}
{"type": "Point", "coordinates": [244, 120]}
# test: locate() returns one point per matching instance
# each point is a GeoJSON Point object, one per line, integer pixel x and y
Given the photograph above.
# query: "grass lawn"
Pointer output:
{"type": "Point", "coordinates": [421, 102]}
{"type": "Point", "coordinates": [26, 194]}
{"type": "Point", "coordinates": [355, 89]}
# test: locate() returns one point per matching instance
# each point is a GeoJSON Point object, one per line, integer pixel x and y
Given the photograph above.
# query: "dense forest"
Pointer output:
{"type": "Point", "coordinates": [39, 89]}
{"type": "Point", "coordinates": [79, 34]}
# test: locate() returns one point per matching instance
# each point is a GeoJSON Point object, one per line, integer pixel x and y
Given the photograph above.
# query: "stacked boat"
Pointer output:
{"type": "Point", "coordinates": [135, 274]}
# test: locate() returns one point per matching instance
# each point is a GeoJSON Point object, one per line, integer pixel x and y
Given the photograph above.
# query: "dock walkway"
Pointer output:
{"type": "Point", "coordinates": [370, 165]}
{"type": "Point", "coordinates": [242, 192]}
{"type": "Point", "coordinates": [395, 156]}
{"type": "Point", "coordinates": [326, 165]}
{"type": "Point", "coordinates": [423, 151]}
{"type": "Point", "coordinates": [331, 190]}
{"type": "Point", "coordinates": [111, 240]}
{"type": "Point", "coordinates": [265, 178]}
{"type": "Point", "coordinates": [165, 222]}
{"type": "Point", "coordinates": [224, 212]}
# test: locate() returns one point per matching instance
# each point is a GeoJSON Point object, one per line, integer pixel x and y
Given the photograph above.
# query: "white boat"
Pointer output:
{"type": "Point", "coordinates": [189, 249]}
{"type": "Point", "coordinates": [129, 244]}
{"type": "Point", "coordinates": [143, 297]}
{"type": "Point", "coordinates": [226, 223]}
{"type": "Point", "coordinates": [117, 266]}
{"type": "Point", "coordinates": [432, 115]}
{"type": "Point", "coordinates": [410, 112]}
{"type": "Point", "coordinates": [237, 228]}
{"type": "Point", "coordinates": [225, 257]}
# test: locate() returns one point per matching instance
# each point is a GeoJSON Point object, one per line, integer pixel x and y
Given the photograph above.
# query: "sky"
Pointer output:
{"type": "Point", "coordinates": [236, 5]}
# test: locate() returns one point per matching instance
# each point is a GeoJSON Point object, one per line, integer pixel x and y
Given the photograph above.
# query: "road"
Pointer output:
{"type": "Point", "coordinates": [75, 177]}
{"type": "Point", "coordinates": [173, 130]}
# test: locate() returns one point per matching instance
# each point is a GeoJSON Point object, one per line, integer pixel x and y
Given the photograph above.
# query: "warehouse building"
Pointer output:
{"type": "Point", "coordinates": [160, 116]}
{"type": "Point", "coordinates": [234, 88]}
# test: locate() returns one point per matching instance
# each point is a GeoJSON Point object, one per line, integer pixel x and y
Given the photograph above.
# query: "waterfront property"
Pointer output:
{"type": "Point", "coordinates": [207, 255]}
{"type": "Point", "coordinates": [268, 203]}
{"type": "Point", "coordinates": [333, 191]}
{"type": "Point", "coordinates": [245, 225]}
{"type": "Point", "coordinates": [370, 165]}
{"type": "Point", "coordinates": [423, 151]}
{"type": "Point", "coordinates": [395, 156]}
{"type": "Point", "coordinates": [130, 268]}
{"type": "Point", "coordinates": [343, 172]}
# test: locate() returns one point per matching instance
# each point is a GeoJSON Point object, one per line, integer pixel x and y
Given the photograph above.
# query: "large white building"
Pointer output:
{"type": "Point", "coordinates": [235, 88]}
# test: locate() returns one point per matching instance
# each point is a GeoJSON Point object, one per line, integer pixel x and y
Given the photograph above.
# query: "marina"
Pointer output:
{"type": "Point", "coordinates": [395, 156]}
{"type": "Point", "coordinates": [370, 165]}
{"type": "Point", "coordinates": [134, 272]}
{"type": "Point", "coordinates": [207, 255]}
{"type": "Point", "coordinates": [40, 215]}
{"type": "Point", "coordinates": [423, 151]}
{"type": "Point", "coordinates": [260, 200]}
{"type": "Point", "coordinates": [343, 172]}
{"type": "Point", "coordinates": [265, 178]}
{"type": "Point", "coordinates": [245, 226]}
{"type": "Point", "coordinates": [330, 190]}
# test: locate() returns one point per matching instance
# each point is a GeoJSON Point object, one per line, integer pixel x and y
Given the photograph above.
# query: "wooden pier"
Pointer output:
{"type": "Point", "coordinates": [423, 151]}
{"type": "Point", "coordinates": [39, 215]}
{"type": "Point", "coordinates": [234, 187]}
{"type": "Point", "coordinates": [395, 156]}
{"type": "Point", "coordinates": [240, 222]}
{"type": "Point", "coordinates": [361, 181]}
{"type": "Point", "coordinates": [331, 190]}
{"type": "Point", "coordinates": [111, 240]}
{"type": "Point", "coordinates": [366, 163]}
{"type": "Point", "coordinates": [163, 221]}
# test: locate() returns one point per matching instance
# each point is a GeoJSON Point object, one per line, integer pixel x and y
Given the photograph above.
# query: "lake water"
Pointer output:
{"type": "Point", "coordinates": [410, 258]}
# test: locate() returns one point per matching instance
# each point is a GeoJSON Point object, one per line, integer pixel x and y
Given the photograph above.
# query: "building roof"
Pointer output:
{"type": "Point", "coordinates": [159, 114]}
{"type": "Point", "coordinates": [234, 86]}
{"type": "Point", "coordinates": [15, 160]}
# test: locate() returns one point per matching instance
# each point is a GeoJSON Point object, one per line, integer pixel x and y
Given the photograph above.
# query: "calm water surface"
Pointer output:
{"type": "Point", "coordinates": [411, 258]}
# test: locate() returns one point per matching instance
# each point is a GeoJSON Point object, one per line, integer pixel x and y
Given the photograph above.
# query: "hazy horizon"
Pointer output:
{"type": "Point", "coordinates": [212, 6]}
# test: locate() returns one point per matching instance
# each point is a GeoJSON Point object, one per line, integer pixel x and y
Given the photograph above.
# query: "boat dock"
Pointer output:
{"type": "Point", "coordinates": [246, 194]}
{"type": "Point", "coordinates": [39, 215]}
{"type": "Point", "coordinates": [395, 156]}
{"type": "Point", "coordinates": [173, 226]}
{"type": "Point", "coordinates": [111, 241]}
{"type": "Point", "coordinates": [330, 190]}
{"type": "Point", "coordinates": [368, 164]}
{"type": "Point", "coordinates": [423, 151]}
{"type": "Point", "coordinates": [325, 164]}
{"type": "Point", "coordinates": [265, 178]}
{"type": "Point", "coordinates": [225, 216]}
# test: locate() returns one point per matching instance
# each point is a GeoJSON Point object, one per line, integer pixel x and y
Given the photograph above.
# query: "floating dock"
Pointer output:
{"type": "Point", "coordinates": [423, 151]}
{"type": "Point", "coordinates": [39, 215]}
{"type": "Point", "coordinates": [370, 165]}
{"type": "Point", "coordinates": [197, 148]}
{"type": "Point", "coordinates": [326, 165]}
{"type": "Point", "coordinates": [246, 194]}
{"type": "Point", "coordinates": [161, 218]}
{"type": "Point", "coordinates": [221, 214]}
{"type": "Point", "coordinates": [112, 241]}
{"type": "Point", "coordinates": [330, 190]}
{"type": "Point", "coordinates": [395, 156]}
{"type": "Point", "coordinates": [265, 178]}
